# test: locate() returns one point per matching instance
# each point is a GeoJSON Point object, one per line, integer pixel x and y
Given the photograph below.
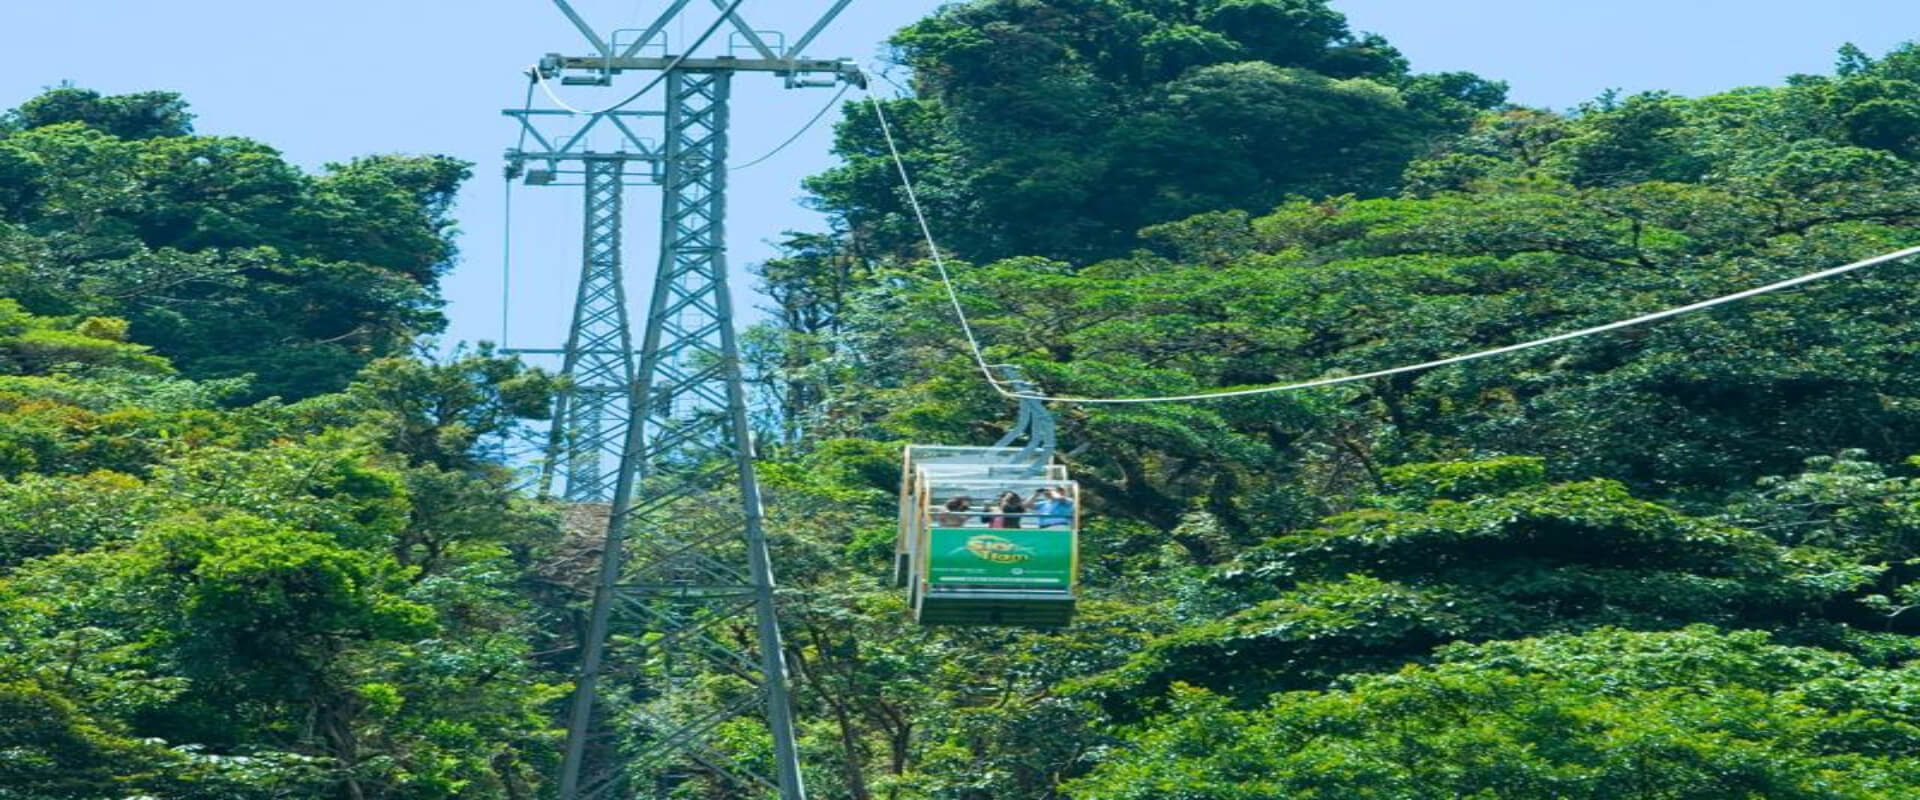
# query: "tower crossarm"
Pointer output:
{"type": "Point", "coordinates": [795, 70]}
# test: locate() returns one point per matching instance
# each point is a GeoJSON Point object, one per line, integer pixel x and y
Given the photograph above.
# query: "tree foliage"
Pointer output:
{"type": "Point", "coordinates": [253, 546]}
{"type": "Point", "coordinates": [209, 591]}
{"type": "Point", "coordinates": [1059, 128]}
{"type": "Point", "coordinates": [219, 254]}
{"type": "Point", "coordinates": [1693, 713]}
{"type": "Point", "coordinates": [1637, 565]}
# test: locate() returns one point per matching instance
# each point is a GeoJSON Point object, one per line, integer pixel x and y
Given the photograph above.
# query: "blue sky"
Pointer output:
{"type": "Point", "coordinates": [329, 81]}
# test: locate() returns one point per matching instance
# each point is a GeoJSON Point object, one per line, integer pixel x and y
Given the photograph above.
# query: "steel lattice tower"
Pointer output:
{"type": "Point", "coordinates": [598, 357]}
{"type": "Point", "coordinates": [590, 414]}
{"type": "Point", "coordinates": [685, 575]}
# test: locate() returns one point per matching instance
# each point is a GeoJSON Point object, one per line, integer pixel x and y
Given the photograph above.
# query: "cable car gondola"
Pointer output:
{"type": "Point", "coordinates": [967, 559]}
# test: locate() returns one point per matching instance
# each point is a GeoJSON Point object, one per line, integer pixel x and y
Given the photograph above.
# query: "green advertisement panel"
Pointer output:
{"type": "Point", "coordinates": [1009, 558]}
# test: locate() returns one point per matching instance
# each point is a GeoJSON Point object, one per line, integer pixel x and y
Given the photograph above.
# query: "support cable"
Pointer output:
{"type": "Point", "coordinates": [998, 386]}
{"type": "Point", "coordinates": [506, 226]}
{"type": "Point", "coordinates": [874, 69]}
{"type": "Point", "coordinates": [933, 248]}
{"type": "Point", "coordinates": [725, 14]}
{"type": "Point", "coordinates": [506, 261]}
{"type": "Point", "coordinates": [796, 134]}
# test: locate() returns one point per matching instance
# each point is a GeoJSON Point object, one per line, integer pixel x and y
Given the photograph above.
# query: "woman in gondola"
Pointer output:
{"type": "Point", "coordinates": [955, 515]}
{"type": "Point", "coordinates": [1009, 507]}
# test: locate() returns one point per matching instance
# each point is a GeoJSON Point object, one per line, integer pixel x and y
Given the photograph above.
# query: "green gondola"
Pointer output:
{"type": "Point", "coordinates": [967, 561]}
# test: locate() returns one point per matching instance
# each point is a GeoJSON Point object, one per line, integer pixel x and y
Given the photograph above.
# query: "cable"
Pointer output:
{"type": "Point", "coordinates": [933, 248]}
{"type": "Point", "coordinates": [526, 105]}
{"type": "Point", "coordinates": [1558, 337]}
{"type": "Point", "coordinates": [506, 225]}
{"type": "Point", "coordinates": [799, 133]}
{"type": "Point", "coordinates": [882, 75]}
{"type": "Point", "coordinates": [506, 261]}
{"type": "Point", "coordinates": [998, 386]}
{"type": "Point", "coordinates": [725, 15]}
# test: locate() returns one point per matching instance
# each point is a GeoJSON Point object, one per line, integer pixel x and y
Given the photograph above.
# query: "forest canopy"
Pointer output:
{"type": "Point", "coordinates": [254, 545]}
{"type": "Point", "coordinates": [216, 252]}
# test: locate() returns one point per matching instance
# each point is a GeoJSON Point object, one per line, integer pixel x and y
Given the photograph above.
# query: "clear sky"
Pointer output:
{"type": "Point", "coordinates": [326, 81]}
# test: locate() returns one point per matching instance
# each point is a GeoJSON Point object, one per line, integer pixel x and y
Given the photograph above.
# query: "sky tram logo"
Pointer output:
{"type": "Point", "coordinates": [997, 550]}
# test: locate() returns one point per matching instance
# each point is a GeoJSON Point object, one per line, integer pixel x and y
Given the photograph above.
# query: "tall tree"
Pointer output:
{"type": "Point", "coordinates": [1067, 125]}
{"type": "Point", "coordinates": [221, 255]}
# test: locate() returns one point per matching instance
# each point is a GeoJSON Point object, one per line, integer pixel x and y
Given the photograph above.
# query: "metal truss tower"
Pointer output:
{"type": "Point", "coordinates": [590, 415]}
{"type": "Point", "coordinates": [597, 360]}
{"type": "Point", "coordinates": [685, 581]}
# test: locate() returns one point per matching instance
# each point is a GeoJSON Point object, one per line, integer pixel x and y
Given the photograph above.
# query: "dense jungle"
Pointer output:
{"type": "Point", "coordinates": [262, 536]}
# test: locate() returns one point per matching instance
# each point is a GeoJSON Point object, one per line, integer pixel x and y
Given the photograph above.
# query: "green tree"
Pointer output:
{"type": "Point", "coordinates": [222, 256]}
{"type": "Point", "coordinates": [143, 115]}
{"type": "Point", "coordinates": [1059, 128]}
{"type": "Point", "coordinates": [1688, 714]}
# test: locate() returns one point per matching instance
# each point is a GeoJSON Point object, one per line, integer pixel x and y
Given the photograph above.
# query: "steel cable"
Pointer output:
{"type": "Point", "coordinates": [999, 386]}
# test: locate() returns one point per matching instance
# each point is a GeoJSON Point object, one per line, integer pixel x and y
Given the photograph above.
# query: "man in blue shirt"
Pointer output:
{"type": "Point", "coordinates": [1055, 510]}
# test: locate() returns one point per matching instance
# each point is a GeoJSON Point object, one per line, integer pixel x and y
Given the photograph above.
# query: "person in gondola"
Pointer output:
{"type": "Point", "coordinates": [1009, 507]}
{"type": "Point", "coordinates": [956, 514]}
{"type": "Point", "coordinates": [1055, 510]}
{"type": "Point", "coordinates": [1037, 503]}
